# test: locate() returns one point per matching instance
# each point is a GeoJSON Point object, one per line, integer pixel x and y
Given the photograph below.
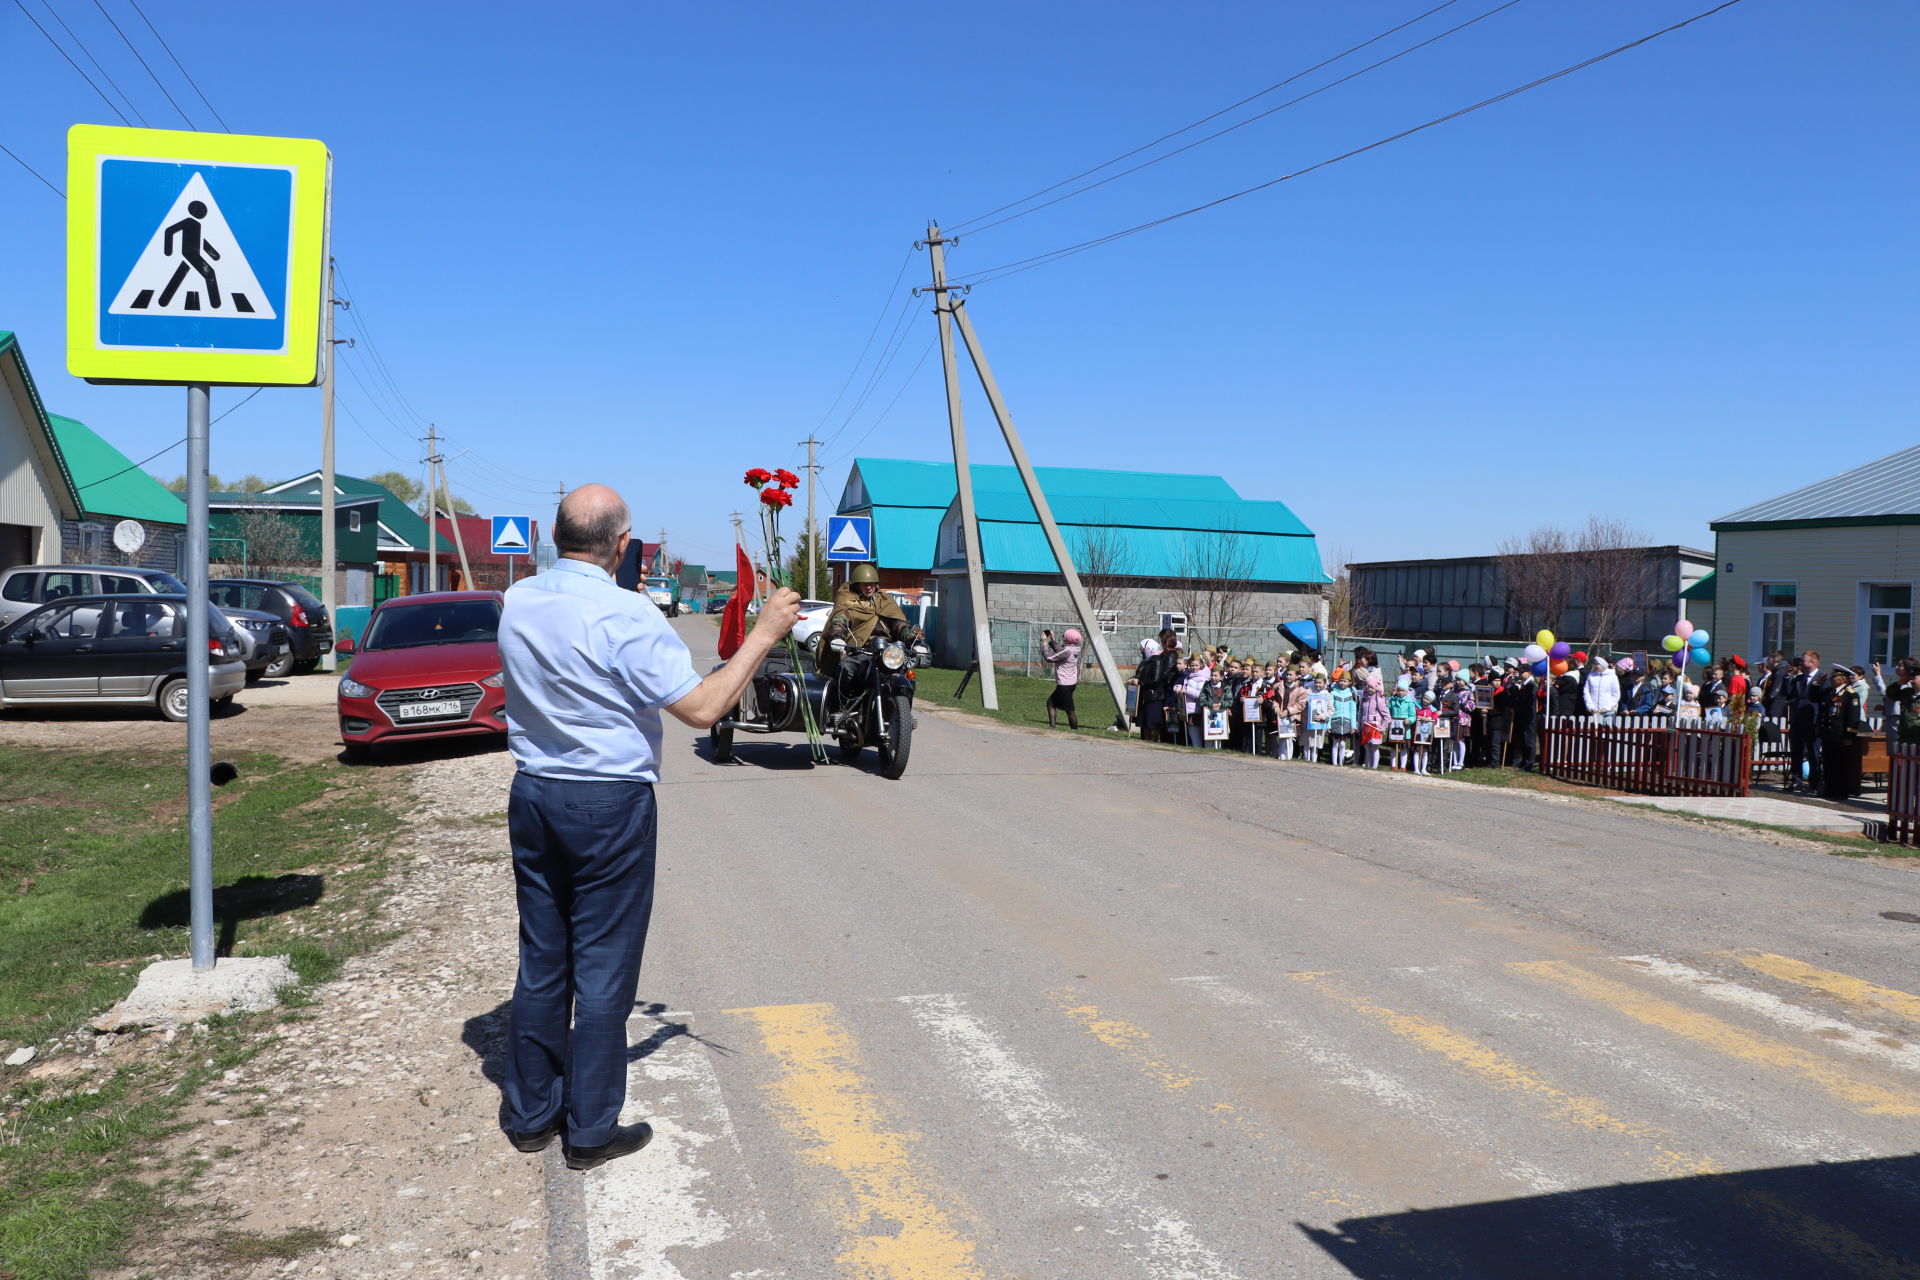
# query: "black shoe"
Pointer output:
{"type": "Point", "coordinates": [626, 1140]}
{"type": "Point", "coordinates": [538, 1140]}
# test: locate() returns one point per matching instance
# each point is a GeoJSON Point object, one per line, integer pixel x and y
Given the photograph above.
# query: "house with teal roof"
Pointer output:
{"type": "Point", "coordinates": [64, 490]}
{"type": "Point", "coordinates": [1145, 544]}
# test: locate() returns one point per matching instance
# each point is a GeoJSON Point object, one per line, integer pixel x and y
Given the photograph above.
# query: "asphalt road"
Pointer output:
{"type": "Point", "coordinates": [1069, 1009]}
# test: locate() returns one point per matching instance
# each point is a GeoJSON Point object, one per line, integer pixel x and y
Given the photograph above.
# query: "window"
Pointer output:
{"type": "Point", "coordinates": [57, 586]}
{"type": "Point", "coordinates": [1109, 620]}
{"type": "Point", "coordinates": [1779, 609]}
{"type": "Point", "coordinates": [77, 623]}
{"type": "Point", "coordinates": [1174, 622]}
{"type": "Point", "coordinates": [93, 541]}
{"type": "Point", "coordinates": [117, 584]}
{"type": "Point", "coordinates": [20, 587]}
{"type": "Point", "coordinates": [353, 522]}
{"type": "Point", "coordinates": [1889, 621]}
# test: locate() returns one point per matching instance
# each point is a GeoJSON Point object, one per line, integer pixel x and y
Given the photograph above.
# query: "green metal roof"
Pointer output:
{"type": "Point", "coordinates": [1705, 589]}
{"type": "Point", "coordinates": [62, 473]}
{"type": "Point", "coordinates": [401, 520]}
{"type": "Point", "coordinates": [897, 482]}
{"type": "Point", "coordinates": [110, 485]}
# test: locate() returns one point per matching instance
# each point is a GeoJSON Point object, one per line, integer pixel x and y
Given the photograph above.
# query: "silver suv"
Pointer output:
{"type": "Point", "coordinates": [26, 587]}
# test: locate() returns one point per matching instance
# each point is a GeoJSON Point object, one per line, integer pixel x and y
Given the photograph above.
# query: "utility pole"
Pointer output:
{"type": "Point", "coordinates": [1089, 623]}
{"type": "Point", "coordinates": [453, 518]}
{"type": "Point", "coordinates": [433, 506]}
{"type": "Point", "coordinates": [329, 549]}
{"type": "Point", "coordinates": [963, 473]}
{"type": "Point", "coordinates": [813, 531]}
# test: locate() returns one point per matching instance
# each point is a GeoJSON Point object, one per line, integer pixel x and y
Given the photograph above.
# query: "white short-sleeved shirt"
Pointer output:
{"type": "Point", "coordinates": [588, 667]}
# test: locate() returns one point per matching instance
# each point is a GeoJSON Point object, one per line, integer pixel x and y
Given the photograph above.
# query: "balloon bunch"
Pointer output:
{"type": "Point", "coordinates": [1547, 655]}
{"type": "Point", "coordinates": [1687, 644]}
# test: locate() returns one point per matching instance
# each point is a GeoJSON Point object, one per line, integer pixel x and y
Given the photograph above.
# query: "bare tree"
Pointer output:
{"type": "Point", "coordinates": [1349, 612]}
{"type": "Point", "coordinates": [1540, 578]}
{"type": "Point", "coordinates": [1618, 579]}
{"type": "Point", "coordinates": [1215, 583]}
{"type": "Point", "coordinates": [274, 545]}
{"type": "Point", "coordinates": [1104, 559]}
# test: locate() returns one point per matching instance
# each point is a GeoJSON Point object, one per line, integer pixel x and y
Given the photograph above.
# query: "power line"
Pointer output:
{"type": "Point", "coordinates": [889, 352]}
{"type": "Point", "coordinates": [30, 169]}
{"type": "Point", "coordinates": [1043, 259]}
{"type": "Point", "coordinates": [143, 62]}
{"type": "Point", "coordinates": [354, 418]}
{"type": "Point", "coordinates": [1221, 133]}
{"type": "Point", "coordinates": [55, 15]}
{"type": "Point", "coordinates": [885, 302]}
{"type": "Point", "coordinates": [70, 62]}
{"type": "Point", "coordinates": [872, 427]}
{"type": "Point", "coordinates": [176, 60]}
{"type": "Point", "coordinates": [169, 449]}
{"type": "Point", "coordinates": [1187, 128]}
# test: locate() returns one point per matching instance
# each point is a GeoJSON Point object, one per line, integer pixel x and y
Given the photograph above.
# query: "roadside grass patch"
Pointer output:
{"type": "Point", "coordinates": [93, 879]}
{"type": "Point", "coordinates": [1023, 700]}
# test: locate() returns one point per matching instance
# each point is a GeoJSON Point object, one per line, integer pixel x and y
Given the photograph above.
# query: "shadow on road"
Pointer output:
{"type": "Point", "coordinates": [778, 754]}
{"type": "Point", "coordinates": [1852, 1218]}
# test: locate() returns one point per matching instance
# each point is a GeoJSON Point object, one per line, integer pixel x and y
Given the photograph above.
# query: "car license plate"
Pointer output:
{"type": "Point", "coordinates": [425, 710]}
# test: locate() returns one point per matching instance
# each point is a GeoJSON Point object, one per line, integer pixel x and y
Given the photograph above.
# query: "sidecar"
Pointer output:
{"type": "Point", "coordinates": [771, 703]}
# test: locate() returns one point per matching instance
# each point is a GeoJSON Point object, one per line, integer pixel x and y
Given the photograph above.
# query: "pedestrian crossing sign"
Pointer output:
{"type": "Point", "coordinates": [513, 535]}
{"type": "Point", "coordinates": [849, 538]}
{"type": "Point", "coordinates": [194, 257]}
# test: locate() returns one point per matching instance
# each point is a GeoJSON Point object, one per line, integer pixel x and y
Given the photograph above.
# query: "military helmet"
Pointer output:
{"type": "Point", "coordinates": [864, 573]}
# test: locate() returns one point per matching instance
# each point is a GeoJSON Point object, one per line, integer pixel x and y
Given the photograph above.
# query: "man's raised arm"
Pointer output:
{"type": "Point", "coordinates": [704, 704]}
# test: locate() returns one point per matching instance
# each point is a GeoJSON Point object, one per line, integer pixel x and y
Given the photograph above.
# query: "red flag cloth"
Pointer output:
{"type": "Point", "coordinates": [733, 622]}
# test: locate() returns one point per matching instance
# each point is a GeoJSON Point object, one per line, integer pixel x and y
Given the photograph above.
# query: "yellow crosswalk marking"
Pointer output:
{"type": "Point", "coordinates": [894, 1227]}
{"type": "Point", "coordinates": [1839, 985]}
{"type": "Point", "coordinates": [1873, 1099]}
{"type": "Point", "coordinates": [1133, 1041]}
{"type": "Point", "coordinates": [1492, 1065]}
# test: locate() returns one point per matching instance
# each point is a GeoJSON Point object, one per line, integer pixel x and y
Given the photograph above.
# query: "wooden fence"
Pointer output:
{"type": "Point", "coordinates": [1903, 793]}
{"type": "Point", "coordinates": [1653, 760]}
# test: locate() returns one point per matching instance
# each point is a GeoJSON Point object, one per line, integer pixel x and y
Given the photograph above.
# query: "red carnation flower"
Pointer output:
{"type": "Point", "coordinates": [759, 476]}
{"type": "Point", "coordinates": [786, 478]}
{"type": "Point", "coordinates": [776, 497]}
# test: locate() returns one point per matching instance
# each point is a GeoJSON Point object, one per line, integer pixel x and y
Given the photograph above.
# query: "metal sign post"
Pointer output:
{"type": "Point", "coordinates": [195, 260]}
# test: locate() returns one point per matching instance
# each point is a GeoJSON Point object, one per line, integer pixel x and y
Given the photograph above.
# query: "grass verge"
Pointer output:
{"type": "Point", "coordinates": [93, 883]}
{"type": "Point", "coordinates": [1023, 700]}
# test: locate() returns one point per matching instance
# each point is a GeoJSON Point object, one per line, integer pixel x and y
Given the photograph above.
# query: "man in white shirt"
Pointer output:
{"type": "Point", "coordinates": [588, 669]}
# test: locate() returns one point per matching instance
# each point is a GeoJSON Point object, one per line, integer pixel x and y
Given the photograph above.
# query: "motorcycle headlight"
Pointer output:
{"type": "Point", "coordinates": [893, 657]}
{"type": "Point", "coordinates": [351, 688]}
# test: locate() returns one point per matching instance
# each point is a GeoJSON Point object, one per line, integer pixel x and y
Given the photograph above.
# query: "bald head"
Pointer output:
{"type": "Point", "coordinates": [592, 524]}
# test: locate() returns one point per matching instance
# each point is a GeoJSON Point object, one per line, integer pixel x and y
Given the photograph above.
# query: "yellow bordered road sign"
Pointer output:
{"type": "Point", "coordinates": [194, 257]}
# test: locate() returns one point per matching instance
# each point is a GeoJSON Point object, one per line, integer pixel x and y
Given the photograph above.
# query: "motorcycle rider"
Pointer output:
{"type": "Point", "coordinates": [860, 609]}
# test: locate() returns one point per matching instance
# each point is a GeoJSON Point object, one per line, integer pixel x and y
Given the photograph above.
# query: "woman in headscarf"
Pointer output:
{"type": "Point", "coordinates": [1066, 675]}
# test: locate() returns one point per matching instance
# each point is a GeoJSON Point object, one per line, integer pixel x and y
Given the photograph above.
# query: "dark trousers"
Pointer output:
{"type": "Point", "coordinates": [1804, 744]}
{"type": "Point", "coordinates": [583, 855]}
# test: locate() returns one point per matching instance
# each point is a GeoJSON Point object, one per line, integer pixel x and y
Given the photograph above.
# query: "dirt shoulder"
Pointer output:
{"type": "Point", "coordinates": [363, 1140]}
{"type": "Point", "coordinates": [294, 718]}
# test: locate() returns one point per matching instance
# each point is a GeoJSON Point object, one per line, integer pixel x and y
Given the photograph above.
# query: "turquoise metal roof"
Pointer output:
{"type": "Point", "coordinates": [108, 483]}
{"type": "Point", "coordinates": [1148, 512]}
{"type": "Point", "coordinates": [1156, 553]}
{"type": "Point", "coordinates": [896, 482]}
{"type": "Point", "coordinates": [905, 537]}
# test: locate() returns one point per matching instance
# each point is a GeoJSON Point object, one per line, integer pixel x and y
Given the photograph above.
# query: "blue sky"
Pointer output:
{"type": "Point", "coordinates": [644, 244]}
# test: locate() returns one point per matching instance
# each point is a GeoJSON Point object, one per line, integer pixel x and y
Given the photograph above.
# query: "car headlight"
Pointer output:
{"type": "Point", "coordinates": [495, 681]}
{"type": "Point", "coordinates": [893, 657]}
{"type": "Point", "coordinates": [351, 688]}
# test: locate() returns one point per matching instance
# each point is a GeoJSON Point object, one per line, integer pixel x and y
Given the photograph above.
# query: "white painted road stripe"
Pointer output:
{"type": "Point", "coordinates": [1088, 1173]}
{"type": "Point", "coordinates": [1831, 1031]}
{"type": "Point", "coordinates": [639, 1208]}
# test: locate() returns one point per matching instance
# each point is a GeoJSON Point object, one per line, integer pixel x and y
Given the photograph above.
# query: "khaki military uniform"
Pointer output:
{"type": "Point", "coordinates": [855, 620]}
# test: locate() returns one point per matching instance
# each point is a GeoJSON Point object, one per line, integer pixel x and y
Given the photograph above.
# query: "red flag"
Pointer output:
{"type": "Point", "coordinates": [733, 622]}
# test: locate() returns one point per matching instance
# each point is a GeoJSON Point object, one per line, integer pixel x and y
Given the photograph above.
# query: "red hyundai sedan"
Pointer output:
{"type": "Point", "coordinates": [427, 667]}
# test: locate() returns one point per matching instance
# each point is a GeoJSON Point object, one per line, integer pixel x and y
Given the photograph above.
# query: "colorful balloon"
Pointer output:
{"type": "Point", "coordinates": [1673, 644]}
{"type": "Point", "coordinates": [1558, 666]}
{"type": "Point", "coordinates": [1544, 639]}
{"type": "Point", "coordinates": [1683, 628]}
{"type": "Point", "coordinates": [1540, 667]}
{"type": "Point", "coordinates": [1534, 653]}
{"type": "Point", "coordinates": [1699, 640]}
{"type": "Point", "coordinates": [1699, 657]}
{"type": "Point", "coordinates": [1560, 651]}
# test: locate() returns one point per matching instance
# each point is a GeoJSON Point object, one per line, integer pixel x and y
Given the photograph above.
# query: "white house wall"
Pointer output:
{"type": "Point", "coordinates": [27, 496]}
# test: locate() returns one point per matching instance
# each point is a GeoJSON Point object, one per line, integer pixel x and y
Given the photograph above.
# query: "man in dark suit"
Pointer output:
{"type": "Point", "coordinates": [1807, 694]}
{"type": "Point", "coordinates": [1520, 700]}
